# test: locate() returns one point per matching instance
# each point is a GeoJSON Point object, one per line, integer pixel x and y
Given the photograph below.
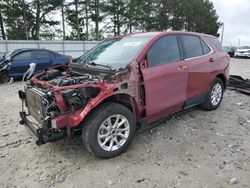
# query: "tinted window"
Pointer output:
{"type": "Point", "coordinates": [205, 47]}
{"type": "Point", "coordinates": [23, 56]}
{"type": "Point", "coordinates": [192, 46]}
{"type": "Point", "coordinates": [215, 42]}
{"type": "Point", "coordinates": [165, 50]}
{"type": "Point", "coordinates": [42, 54]}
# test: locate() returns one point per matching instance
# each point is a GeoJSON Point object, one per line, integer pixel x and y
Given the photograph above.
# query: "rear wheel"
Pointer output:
{"type": "Point", "coordinates": [109, 130]}
{"type": "Point", "coordinates": [214, 97]}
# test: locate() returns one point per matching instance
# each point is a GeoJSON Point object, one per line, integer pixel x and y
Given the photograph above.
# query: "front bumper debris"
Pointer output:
{"type": "Point", "coordinates": [41, 131]}
{"type": "Point", "coordinates": [240, 84]}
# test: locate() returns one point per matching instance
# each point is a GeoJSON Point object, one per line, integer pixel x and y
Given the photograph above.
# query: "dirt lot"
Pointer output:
{"type": "Point", "coordinates": [195, 148]}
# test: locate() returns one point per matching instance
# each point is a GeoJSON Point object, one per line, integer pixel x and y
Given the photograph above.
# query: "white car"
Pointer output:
{"type": "Point", "coordinates": [243, 51]}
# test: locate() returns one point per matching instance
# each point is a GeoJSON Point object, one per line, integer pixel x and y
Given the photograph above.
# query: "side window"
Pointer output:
{"type": "Point", "coordinates": [205, 48]}
{"type": "Point", "coordinates": [42, 54]}
{"type": "Point", "coordinates": [165, 50]}
{"type": "Point", "coordinates": [23, 56]}
{"type": "Point", "coordinates": [192, 46]}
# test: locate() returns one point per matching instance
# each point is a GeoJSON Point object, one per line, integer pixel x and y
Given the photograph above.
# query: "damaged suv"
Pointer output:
{"type": "Point", "coordinates": [122, 85]}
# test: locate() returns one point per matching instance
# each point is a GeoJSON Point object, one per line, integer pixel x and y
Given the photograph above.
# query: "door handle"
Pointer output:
{"type": "Point", "coordinates": [211, 60]}
{"type": "Point", "coordinates": [182, 67]}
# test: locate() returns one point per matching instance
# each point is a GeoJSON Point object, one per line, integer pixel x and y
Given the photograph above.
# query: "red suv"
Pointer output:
{"type": "Point", "coordinates": [122, 85]}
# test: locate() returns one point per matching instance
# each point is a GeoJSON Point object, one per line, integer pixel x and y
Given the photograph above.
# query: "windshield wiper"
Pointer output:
{"type": "Point", "coordinates": [96, 64]}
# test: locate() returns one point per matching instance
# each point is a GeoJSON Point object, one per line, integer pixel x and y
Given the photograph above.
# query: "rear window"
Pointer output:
{"type": "Point", "coordinates": [205, 48]}
{"type": "Point", "coordinates": [42, 54]}
{"type": "Point", "coordinates": [215, 42]}
{"type": "Point", "coordinates": [192, 46]}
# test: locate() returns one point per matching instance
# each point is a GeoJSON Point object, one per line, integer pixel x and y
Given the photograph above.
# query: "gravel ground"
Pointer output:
{"type": "Point", "coordinates": [194, 148]}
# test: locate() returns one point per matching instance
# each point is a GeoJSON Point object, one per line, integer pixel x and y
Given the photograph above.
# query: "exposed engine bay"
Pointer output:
{"type": "Point", "coordinates": [56, 77]}
{"type": "Point", "coordinates": [74, 98]}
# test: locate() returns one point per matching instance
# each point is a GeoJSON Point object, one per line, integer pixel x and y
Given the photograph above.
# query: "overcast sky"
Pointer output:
{"type": "Point", "coordinates": [235, 14]}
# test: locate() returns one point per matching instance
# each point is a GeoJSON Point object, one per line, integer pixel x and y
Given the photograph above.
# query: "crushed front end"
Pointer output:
{"type": "Point", "coordinates": [36, 119]}
{"type": "Point", "coordinates": [55, 102]}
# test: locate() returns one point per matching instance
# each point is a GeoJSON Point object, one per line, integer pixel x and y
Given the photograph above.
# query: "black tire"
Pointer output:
{"type": "Point", "coordinates": [4, 78]}
{"type": "Point", "coordinates": [91, 128]}
{"type": "Point", "coordinates": [208, 105]}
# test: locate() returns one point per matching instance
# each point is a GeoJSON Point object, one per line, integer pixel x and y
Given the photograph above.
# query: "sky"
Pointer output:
{"type": "Point", "coordinates": [235, 14]}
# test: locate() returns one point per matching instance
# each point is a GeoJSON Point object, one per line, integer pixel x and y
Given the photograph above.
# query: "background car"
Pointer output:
{"type": "Point", "coordinates": [243, 51]}
{"type": "Point", "coordinates": [230, 50]}
{"type": "Point", "coordinates": [19, 61]}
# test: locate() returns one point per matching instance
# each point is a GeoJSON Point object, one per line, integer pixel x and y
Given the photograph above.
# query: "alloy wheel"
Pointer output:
{"type": "Point", "coordinates": [216, 94]}
{"type": "Point", "coordinates": [113, 132]}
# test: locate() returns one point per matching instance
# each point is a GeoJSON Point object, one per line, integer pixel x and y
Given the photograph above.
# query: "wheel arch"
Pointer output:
{"type": "Point", "coordinates": [223, 79]}
{"type": "Point", "coordinates": [123, 99]}
{"type": "Point", "coordinates": [120, 98]}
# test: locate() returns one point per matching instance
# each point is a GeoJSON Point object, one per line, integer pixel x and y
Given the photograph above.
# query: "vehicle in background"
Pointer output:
{"type": "Point", "coordinates": [15, 63]}
{"type": "Point", "coordinates": [243, 51]}
{"type": "Point", "coordinates": [230, 50]}
{"type": "Point", "coordinates": [122, 85]}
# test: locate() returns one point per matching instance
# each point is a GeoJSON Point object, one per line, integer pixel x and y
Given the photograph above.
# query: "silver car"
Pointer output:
{"type": "Point", "coordinates": [243, 51]}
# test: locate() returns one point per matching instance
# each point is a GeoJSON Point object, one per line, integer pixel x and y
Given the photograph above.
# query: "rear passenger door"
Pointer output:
{"type": "Point", "coordinates": [201, 66]}
{"type": "Point", "coordinates": [165, 78]}
{"type": "Point", "coordinates": [43, 59]}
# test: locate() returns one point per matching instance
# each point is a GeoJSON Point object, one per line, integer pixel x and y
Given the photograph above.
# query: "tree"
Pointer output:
{"type": "Point", "coordinates": [26, 21]}
{"type": "Point", "coordinates": [1, 24]}
{"type": "Point", "coordinates": [74, 17]}
{"type": "Point", "coordinates": [95, 19]}
{"type": "Point", "coordinates": [17, 19]}
{"type": "Point", "coordinates": [194, 15]}
{"type": "Point", "coordinates": [95, 8]}
{"type": "Point", "coordinates": [40, 9]}
{"type": "Point", "coordinates": [116, 12]}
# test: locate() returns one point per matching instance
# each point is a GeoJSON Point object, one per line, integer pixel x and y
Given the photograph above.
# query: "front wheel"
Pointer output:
{"type": "Point", "coordinates": [4, 78]}
{"type": "Point", "coordinates": [108, 130]}
{"type": "Point", "coordinates": [214, 97]}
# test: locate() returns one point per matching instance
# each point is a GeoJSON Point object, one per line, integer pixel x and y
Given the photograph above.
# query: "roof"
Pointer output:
{"type": "Point", "coordinates": [14, 52]}
{"type": "Point", "coordinates": [154, 34]}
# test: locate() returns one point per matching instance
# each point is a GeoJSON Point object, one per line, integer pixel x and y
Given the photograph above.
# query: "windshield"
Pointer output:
{"type": "Point", "coordinates": [244, 47]}
{"type": "Point", "coordinates": [116, 53]}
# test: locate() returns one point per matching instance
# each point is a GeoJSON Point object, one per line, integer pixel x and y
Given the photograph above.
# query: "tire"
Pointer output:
{"type": "Point", "coordinates": [4, 78]}
{"type": "Point", "coordinates": [215, 95]}
{"type": "Point", "coordinates": [101, 129]}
